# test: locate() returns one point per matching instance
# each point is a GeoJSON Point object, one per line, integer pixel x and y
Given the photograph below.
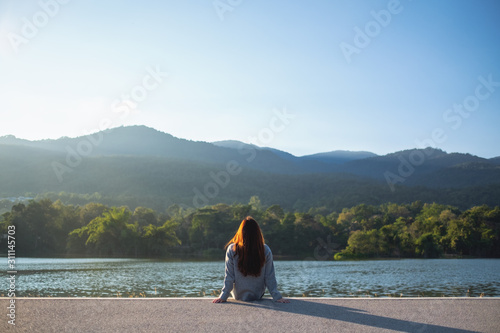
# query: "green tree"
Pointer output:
{"type": "Point", "coordinates": [427, 246]}
{"type": "Point", "coordinates": [144, 216]}
{"type": "Point", "coordinates": [110, 234]}
{"type": "Point", "coordinates": [255, 203]}
{"type": "Point", "coordinates": [36, 231]}
{"type": "Point", "coordinates": [209, 229]}
{"type": "Point", "coordinates": [157, 240]}
{"type": "Point", "coordinates": [363, 243]}
{"type": "Point", "coordinates": [90, 211]}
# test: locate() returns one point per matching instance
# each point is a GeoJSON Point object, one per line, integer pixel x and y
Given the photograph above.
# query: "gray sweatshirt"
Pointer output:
{"type": "Point", "coordinates": [249, 288]}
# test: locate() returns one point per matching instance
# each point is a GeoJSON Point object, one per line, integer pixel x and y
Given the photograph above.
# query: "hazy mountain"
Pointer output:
{"type": "Point", "coordinates": [234, 144]}
{"type": "Point", "coordinates": [139, 165]}
{"type": "Point", "coordinates": [339, 156]}
{"type": "Point", "coordinates": [321, 162]}
{"type": "Point", "coordinates": [419, 166]}
{"type": "Point", "coordinates": [461, 175]}
{"type": "Point", "coordinates": [144, 141]}
{"type": "Point", "coordinates": [333, 157]}
{"type": "Point", "coordinates": [159, 182]}
{"type": "Point", "coordinates": [132, 140]}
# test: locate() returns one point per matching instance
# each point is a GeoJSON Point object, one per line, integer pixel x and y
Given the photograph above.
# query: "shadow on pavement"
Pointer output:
{"type": "Point", "coordinates": [351, 315]}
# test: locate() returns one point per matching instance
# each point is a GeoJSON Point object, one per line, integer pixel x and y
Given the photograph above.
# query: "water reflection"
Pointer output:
{"type": "Point", "coordinates": [154, 278]}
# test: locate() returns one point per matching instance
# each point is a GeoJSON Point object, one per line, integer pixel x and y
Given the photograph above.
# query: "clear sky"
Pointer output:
{"type": "Point", "coordinates": [301, 76]}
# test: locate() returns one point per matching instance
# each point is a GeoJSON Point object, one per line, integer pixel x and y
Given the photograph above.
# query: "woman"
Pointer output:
{"type": "Point", "coordinates": [249, 266]}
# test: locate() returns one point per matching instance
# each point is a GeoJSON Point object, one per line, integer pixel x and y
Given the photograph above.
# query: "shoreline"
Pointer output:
{"type": "Point", "coordinates": [209, 298]}
{"type": "Point", "coordinates": [265, 299]}
{"type": "Point", "coordinates": [275, 258]}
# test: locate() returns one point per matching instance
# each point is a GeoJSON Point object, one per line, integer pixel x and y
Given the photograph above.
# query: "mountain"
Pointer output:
{"type": "Point", "coordinates": [427, 167]}
{"type": "Point", "coordinates": [415, 167]}
{"type": "Point", "coordinates": [333, 157]}
{"type": "Point", "coordinates": [159, 182]}
{"type": "Point", "coordinates": [321, 162]}
{"type": "Point", "coordinates": [233, 144]}
{"type": "Point", "coordinates": [475, 173]}
{"type": "Point", "coordinates": [144, 141]}
{"type": "Point", "coordinates": [138, 165]}
{"type": "Point", "coordinates": [133, 140]}
{"type": "Point", "coordinates": [339, 156]}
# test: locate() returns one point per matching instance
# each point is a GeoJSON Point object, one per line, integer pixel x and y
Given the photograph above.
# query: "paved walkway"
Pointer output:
{"type": "Point", "coordinates": [301, 315]}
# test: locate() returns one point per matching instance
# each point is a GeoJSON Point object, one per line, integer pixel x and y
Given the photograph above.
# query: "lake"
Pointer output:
{"type": "Point", "coordinates": [156, 278]}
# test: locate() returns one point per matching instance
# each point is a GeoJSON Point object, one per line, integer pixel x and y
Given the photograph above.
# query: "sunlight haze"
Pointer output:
{"type": "Point", "coordinates": [378, 76]}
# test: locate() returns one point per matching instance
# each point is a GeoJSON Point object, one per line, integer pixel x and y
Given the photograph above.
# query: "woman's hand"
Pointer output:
{"type": "Point", "coordinates": [218, 300]}
{"type": "Point", "coordinates": [282, 300]}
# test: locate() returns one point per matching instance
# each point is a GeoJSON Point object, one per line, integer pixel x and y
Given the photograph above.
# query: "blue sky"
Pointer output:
{"type": "Point", "coordinates": [422, 72]}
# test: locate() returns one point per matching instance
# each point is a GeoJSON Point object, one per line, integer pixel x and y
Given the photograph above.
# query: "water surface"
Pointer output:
{"type": "Point", "coordinates": [156, 278]}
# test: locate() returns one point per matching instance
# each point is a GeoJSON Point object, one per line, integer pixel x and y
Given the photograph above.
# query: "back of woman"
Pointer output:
{"type": "Point", "coordinates": [249, 266]}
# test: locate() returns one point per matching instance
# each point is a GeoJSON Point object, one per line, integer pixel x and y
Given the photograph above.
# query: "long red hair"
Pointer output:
{"type": "Point", "coordinates": [249, 245]}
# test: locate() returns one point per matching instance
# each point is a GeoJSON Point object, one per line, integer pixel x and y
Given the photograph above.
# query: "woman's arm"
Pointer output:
{"type": "Point", "coordinates": [228, 276]}
{"type": "Point", "coordinates": [270, 278]}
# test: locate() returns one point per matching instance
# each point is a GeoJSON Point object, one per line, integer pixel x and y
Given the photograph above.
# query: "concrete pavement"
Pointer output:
{"type": "Point", "coordinates": [301, 315]}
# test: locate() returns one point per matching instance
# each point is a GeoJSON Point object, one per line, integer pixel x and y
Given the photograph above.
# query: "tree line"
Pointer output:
{"type": "Point", "coordinates": [415, 230]}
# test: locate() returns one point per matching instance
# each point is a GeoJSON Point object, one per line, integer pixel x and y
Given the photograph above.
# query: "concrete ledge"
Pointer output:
{"type": "Point", "coordinates": [301, 315]}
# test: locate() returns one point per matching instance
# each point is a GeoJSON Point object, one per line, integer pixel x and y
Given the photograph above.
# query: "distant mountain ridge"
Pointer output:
{"type": "Point", "coordinates": [127, 137]}
{"type": "Point", "coordinates": [145, 141]}
{"type": "Point", "coordinates": [142, 140]}
{"type": "Point", "coordinates": [332, 157]}
{"type": "Point", "coordinates": [420, 163]}
{"type": "Point", "coordinates": [141, 161]}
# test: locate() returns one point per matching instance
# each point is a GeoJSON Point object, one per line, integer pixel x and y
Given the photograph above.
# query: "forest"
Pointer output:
{"type": "Point", "coordinates": [46, 228]}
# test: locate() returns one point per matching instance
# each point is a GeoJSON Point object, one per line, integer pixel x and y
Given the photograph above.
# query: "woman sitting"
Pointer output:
{"type": "Point", "coordinates": [249, 266]}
